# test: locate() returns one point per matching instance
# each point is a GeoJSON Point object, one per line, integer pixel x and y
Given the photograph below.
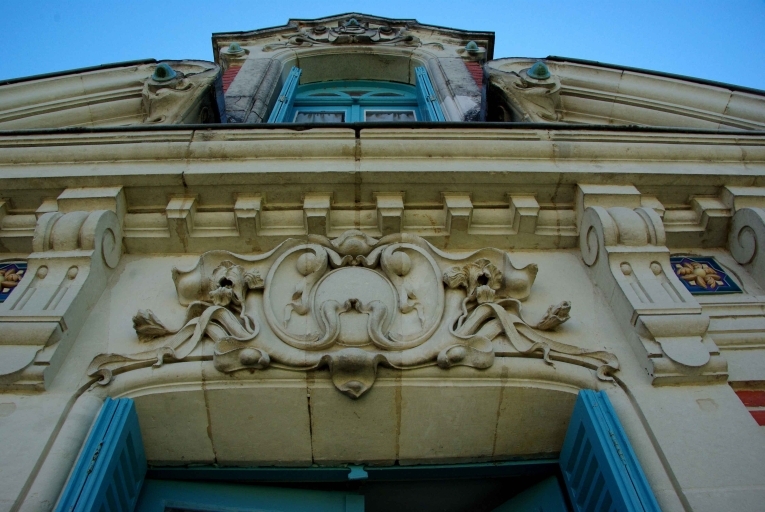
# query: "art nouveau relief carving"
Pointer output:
{"type": "Point", "coordinates": [350, 31]}
{"type": "Point", "coordinates": [351, 304]}
{"type": "Point", "coordinates": [172, 93]}
{"type": "Point", "coordinates": [627, 251]}
{"type": "Point", "coordinates": [534, 98]}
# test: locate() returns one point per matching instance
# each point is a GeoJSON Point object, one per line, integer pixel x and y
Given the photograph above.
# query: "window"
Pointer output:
{"type": "Point", "coordinates": [597, 468]}
{"type": "Point", "coordinates": [356, 101]}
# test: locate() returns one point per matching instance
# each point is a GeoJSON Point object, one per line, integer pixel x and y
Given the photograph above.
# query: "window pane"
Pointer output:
{"type": "Point", "coordinates": [320, 117]}
{"type": "Point", "coordinates": [381, 116]}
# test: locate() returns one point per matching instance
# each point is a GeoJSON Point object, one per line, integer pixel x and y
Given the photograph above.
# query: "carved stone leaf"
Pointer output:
{"type": "Point", "coordinates": [455, 277]}
{"type": "Point", "coordinates": [253, 280]}
{"type": "Point", "coordinates": [148, 326]}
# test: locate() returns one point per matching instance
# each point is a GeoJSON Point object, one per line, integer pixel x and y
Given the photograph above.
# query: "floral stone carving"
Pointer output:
{"type": "Point", "coordinates": [352, 304]}
{"type": "Point", "coordinates": [351, 31]}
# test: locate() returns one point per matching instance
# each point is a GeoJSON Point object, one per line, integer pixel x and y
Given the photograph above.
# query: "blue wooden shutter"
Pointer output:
{"type": "Point", "coordinates": [286, 98]}
{"type": "Point", "coordinates": [110, 471]}
{"type": "Point", "coordinates": [599, 467]}
{"type": "Point", "coordinates": [426, 95]}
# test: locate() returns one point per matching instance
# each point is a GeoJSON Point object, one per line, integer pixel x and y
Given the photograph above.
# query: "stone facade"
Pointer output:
{"type": "Point", "coordinates": [370, 294]}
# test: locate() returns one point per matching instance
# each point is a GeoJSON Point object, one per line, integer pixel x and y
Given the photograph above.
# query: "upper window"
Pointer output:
{"type": "Point", "coordinates": [356, 101]}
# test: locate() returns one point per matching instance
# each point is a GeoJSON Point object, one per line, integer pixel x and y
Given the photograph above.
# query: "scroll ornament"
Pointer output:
{"type": "Point", "coordinates": [350, 31]}
{"type": "Point", "coordinates": [350, 305]}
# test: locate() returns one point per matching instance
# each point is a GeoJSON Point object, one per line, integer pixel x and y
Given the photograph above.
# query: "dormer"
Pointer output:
{"type": "Point", "coordinates": [427, 73]}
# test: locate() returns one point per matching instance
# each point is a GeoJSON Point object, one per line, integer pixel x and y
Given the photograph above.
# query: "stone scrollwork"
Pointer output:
{"type": "Point", "coordinates": [533, 98]}
{"type": "Point", "coordinates": [351, 304]}
{"type": "Point", "coordinates": [626, 249]}
{"type": "Point", "coordinates": [350, 31]}
{"type": "Point", "coordinates": [747, 241]}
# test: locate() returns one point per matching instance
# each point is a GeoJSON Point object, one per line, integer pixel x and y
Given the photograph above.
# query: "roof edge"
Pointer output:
{"type": "Point", "coordinates": [701, 81]}
{"type": "Point", "coordinates": [76, 71]}
{"type": "Point", "coordinates": [371, 126]}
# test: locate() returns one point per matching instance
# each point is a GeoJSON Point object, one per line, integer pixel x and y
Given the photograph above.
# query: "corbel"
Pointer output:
{"type": "Point", "coordinates": [390, 212]}
{"type": "Point", "coordinates": [459, 212]}
{"type": "Point", "coordinates": [73, 256]}
{"type": "Point", "coordinates": [737, 198]}
{"type": "Point", "coordinates": [93, 198]}
{"type": "Point", "coordinates": [180, 212]}
{"type": "Point", "coordinates": [247, 210]}
{"type": "Point", "coordinates": [747, 241]}
{"type": "Point", "coordinates": [524, 210]}
{"type": "Point", "coordinates": [316, 213]}
{"type": "Point", "coordinates": [626, 250]}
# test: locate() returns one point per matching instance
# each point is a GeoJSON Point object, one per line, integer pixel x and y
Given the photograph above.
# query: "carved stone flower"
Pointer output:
{"type": "Point", "coordinates": [230, 284]}
{"type": "Point", "coordinates": [484, 294]}
{"type": "Point", "coordinates": [700, 274]}
{"type": "Point", "coordinates": [481, 279]}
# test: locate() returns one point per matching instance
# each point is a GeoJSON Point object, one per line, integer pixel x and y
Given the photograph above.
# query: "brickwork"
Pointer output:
{"type": "Point", "coordinates": [754, 400]}
{"type": "Point", "coordinates": [229, 75]}
{"type": "Point", "coordinates": [476, 71]}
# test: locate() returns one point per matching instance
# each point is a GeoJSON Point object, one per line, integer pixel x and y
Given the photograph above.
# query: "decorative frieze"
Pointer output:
{"type": "Point", "coordinates": [351, 304]}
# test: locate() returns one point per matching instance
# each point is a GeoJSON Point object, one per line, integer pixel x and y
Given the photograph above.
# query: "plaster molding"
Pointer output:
{"type": "Point", "coordinates": [531, 100]}
{"type": "Point", "coordinates": [351, 304]}
{"type": "Point", "coordinates": [588, 93]}
{"type": "Point", "coordinates": [74, 254]}
{"type": "Point", "coordinates": [626, 250]}
{"type": "Point", "coordinates": [179, 100]}
{"type": "Point", "coordinates": [119, 95]}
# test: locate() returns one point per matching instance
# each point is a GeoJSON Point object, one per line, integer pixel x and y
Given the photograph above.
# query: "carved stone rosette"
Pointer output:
{"type": "Point", "coordinates": [351, 304]}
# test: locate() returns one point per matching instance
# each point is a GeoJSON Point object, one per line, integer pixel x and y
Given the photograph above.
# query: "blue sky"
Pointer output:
{"type": "Point", "coordinates": [721, 40]}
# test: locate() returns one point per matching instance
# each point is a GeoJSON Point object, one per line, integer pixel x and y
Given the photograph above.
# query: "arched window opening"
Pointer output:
{"type": "Point", "coordinates": [356, 101]}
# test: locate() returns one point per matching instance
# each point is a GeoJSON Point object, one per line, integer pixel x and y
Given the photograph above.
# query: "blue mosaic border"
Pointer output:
{"type": "Point", "coordinates": [707, 270]}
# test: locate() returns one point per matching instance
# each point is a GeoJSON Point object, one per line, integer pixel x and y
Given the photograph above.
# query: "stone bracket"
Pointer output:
{"type": "Point", "coordinates": [626, 250]}
{"type": "Point", "coordinates": [74, 254]}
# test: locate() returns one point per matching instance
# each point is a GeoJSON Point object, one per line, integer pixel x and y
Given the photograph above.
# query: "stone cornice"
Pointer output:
{"type": "Point", "coordinates": [464, 143]}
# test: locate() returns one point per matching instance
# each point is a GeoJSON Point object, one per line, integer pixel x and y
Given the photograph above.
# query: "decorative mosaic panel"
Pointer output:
{"type": "Point", "coordinates": [702, 275]}
{"type": "Point", "coordinates": [10, 273]}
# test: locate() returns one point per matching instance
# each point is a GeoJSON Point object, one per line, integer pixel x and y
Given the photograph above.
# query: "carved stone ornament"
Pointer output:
{"type": "Point", "coordinates": [351, 304]}
{"type": "Point", "coordinates": [534, 99]}
{"type": "Point", "coordinates": [351, 31]}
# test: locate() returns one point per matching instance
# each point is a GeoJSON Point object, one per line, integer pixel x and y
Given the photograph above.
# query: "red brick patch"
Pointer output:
{"type": "Point", "coordinates": [476, 71]}
{"type": "Point", "coordinates": [759, 416]}
{"type": "Point", "coordinates": [229, 75]}
{"type": "Point", "coordinates": [752, 398]}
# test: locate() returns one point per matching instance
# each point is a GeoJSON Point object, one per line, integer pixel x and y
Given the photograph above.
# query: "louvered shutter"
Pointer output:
{"type": "Point", "coordinates": [110, 471]}
{"type": "Point", "coordinates": [599, 467]}
{"type": "Point", "coordinates": [426, 96]}
{"type": "Point", "coordinates": [286, 98]}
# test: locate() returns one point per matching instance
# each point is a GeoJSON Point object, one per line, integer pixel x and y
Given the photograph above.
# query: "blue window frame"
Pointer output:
{"type": "Point", "coordinates": [356, 101]}
{"type": "Point", "coordinates": [597, 467]}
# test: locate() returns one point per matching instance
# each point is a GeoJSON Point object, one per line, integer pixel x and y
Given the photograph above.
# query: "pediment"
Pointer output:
{"type": "Point", "coordinates": [351, 29]}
